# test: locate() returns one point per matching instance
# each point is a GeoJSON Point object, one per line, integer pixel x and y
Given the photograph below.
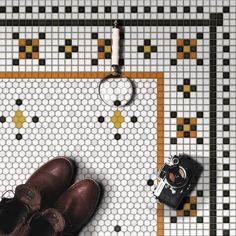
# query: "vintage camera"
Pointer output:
{"type": "Point", "coordinates": [177, 179]}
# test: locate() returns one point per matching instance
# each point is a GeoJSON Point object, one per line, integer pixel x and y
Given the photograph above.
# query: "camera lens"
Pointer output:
{"type": "Point", "coordinates": [176, 176]}
{"type": "Point", "coordinates": [176, 161]}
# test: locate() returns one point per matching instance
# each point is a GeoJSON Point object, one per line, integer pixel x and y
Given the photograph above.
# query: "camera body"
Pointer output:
{"type": "Point", "coordinates": [177, 179]}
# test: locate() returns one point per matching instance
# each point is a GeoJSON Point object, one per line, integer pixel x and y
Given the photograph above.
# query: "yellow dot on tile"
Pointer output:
{"type": "Point", "coordinates": [186, 48]}
{"type": "Point", "coordinates": [186, 88]}
{"type": "Point", "coordinates": [107, 49]}
{"type": "Point", "coordinates": [147, 48]}
{"type": "Point", "coordinates": [68, 48]}
{"type": "Point", "coordinates": [117, 119]}
{"type": "Point", "coordinates": [187, 206]}
{"type": "Point", "coordinates": [18, 119]}
{"type": "Point", "coordinates": [117, 125]}
{"type": "Point", "coordinates": [186, 127]}
{"type": "Point", "coordinates": [28, 48]}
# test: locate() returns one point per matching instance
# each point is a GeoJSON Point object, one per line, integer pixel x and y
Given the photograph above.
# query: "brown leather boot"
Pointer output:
{"type": "Point", "coordinates": [72, 211]}
{"type": "Point", "coordinates": [42, 188]}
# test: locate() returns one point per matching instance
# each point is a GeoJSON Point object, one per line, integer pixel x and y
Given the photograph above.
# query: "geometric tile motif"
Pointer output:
{"type": "Point", "coordinates": [104, 48]}
{"type": "Point", "coordinates": [186, 127]}
{"type": "Point", "coordinates": [68, 48]}
{"type": "Point", "coordinates": [147, 49]}
{"type": "Point", "coordinates": [186, 48]}
{"type": "Point", "coordinates": [186, 88]}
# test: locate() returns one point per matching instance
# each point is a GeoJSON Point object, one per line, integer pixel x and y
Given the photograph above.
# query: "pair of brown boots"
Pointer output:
{"type": "Point", "coordinates": [46, 205]}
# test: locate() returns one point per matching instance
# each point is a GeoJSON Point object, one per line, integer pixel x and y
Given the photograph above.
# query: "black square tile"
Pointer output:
{"type": "Point", "coordinates": [108, 55]}
{"type": "Point", "coordinates": [226, 180]}
{"type": "Point", "coordinates": [226, 62]}
{"type": "Point", "coordinates": [15, 62]}
{"type": "Point", "coordinates": [41, 62]}
{"type": "Point", "coordinates": [173, 140]}
{"type": "Point", "coordinates": [226, 193]}
{"type": "Point", "coordinates": [147, 42]}
{"type": "Point", "coordinates": [134, 9]}
{"type": "Point", "coordinates": [160, 9]}
{"type": "Point", "coordinates": [186, 213]}
{"type": "Point", "coordinates": [55, 9]}
{"type": "Point", "coordinates": [81, 9]}
{"type": "Point", "coordinates": [199, 62]}
{"type": "Point", "coordinates": [74, 48]}
{"type": "Point", "coordinates": [68, 42]}
{"type": "Point", "coordinates": [199, 114]}
{"type": "Point", "coordinates": [199, 219]}
{"type": "Point", "coordinates": [107, 9]}
{"type": "Point", "coordinates": [173, 35]}
{"type": "Point", "coordinates": [226, 101]}
{"type": "Point", "coordinates": [28, 55]}
{"type": "Point", "coordinates": [179, 88]}
{"type": "Point", "coordinates": [94, 35]}
{"type": "Point", "coordinates": [173, 114]}
{"type": "Point", "coordinates": [226, 128]}
{"type": "Point", "coordinates": [121, 9]}
{"type": "Point", "coordinates": [186, 81]}
{"type": "Point", "coordinates": [94, 62]}
{"type": "Point", "coordinates": [41, 35]}
{"type": "Point", "coordinates": [226, 141]}
{"type": "Point", "coordinates": [226, 114]}
{"type": "Point", "coordinates": [42, 9]}
{"type": "Point", "coordinates": [199, 193]}
{"type": "Point", "coordinates": [186, 9]}
{"type": "Point", "coordinates": [180, 49]}
{"type": "Point", "coordinates": [225, 35]}
{"type": "Point", "coordinates": [226, 206]}
{"type": "Point", "coordinates": [61, 48]}
{"type": "Point", "coordinates": [68, 9]}
{"type": "Point", "coordinates": [226, 154]}
{"type": "Point", "coordinates": [226, 49]}
{"type": "Point", "coordinates": [193, 88]}
{"type": "Point", "coordinates": [186, 95]}
{"type": "Point", "coordinates": [226, 9]}
{"type": "Point", "coordinates": [199, 9]}
{"type": "Point", "coordinates": [226, 167]}
{"type": "Point", "coordinates": [199, 140]}
{"type": "Point", "coordinates": [186, 121]}
{"type": "Point", "coordinates": [147, 55]}
{"type": "Point", "coordinates": [173, 219]}
{"type": "Point", "coordinates": [147, 9]}
{"type": "Point", "coordinates": [199, 35]}
{"type": "Point", "coordinates": [173, 9]}
{"type": "Point", "coordinates": [15, 9]}
{"type": "Point", "coordinates": [94, 9]}
{"type": "Point", "coordinates": [226, 75]}
{"type": "Point", "coordinates": [226, 232]}
{"type": "Point", "coordinates": [173, 62]}
{"type": "Point", "coordinates": [68, 55]}
{"type": "Point", "coordinates": [2, 9]}
{"type": "Point", "coordinates": [28, 9]}
{"type": "Point", "coordinates": [226, 88]}
{"type": "Point", "coordinates": [15, 35]}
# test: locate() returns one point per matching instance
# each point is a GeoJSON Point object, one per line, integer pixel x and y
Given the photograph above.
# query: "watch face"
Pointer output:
{"type": "Point", "coordinates": [176, 176]}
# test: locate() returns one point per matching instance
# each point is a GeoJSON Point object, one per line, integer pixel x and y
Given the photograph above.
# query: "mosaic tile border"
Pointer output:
{"type": "Point", "coordinates": [216, 19]}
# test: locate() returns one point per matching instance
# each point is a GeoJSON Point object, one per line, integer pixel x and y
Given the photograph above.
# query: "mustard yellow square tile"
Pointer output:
{"type": "Point", "coordinates": [28, 48]}
{"type": "Point", "coordinates": [68, 48]}
{"type": "Point", "coordinates": [186, 127]}
{"type": "Point", "coordinates": [147, 48]}
{"type": "Point", "coordinates": [186, 88]}
{"type": "Point", "coordinates": [107, 48]}
{"type": "Point", "coordinates": [186, 48]}
{"type": "Point", "coordinates": [187, 206]}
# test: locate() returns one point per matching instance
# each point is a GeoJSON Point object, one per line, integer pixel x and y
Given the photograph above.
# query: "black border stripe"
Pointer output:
{"type": "Point", "coordinates": [213, 130]}
{"type": "Point", "coordinates": [60, 22]}
{"type": "Point", "coordinates": [216, 19]}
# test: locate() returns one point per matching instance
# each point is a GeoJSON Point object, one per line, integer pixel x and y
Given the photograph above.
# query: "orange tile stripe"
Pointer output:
{"type": "Point", "coordinates": [134, 75]}
{"type": "Point", "coordinates": [80, 75]}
